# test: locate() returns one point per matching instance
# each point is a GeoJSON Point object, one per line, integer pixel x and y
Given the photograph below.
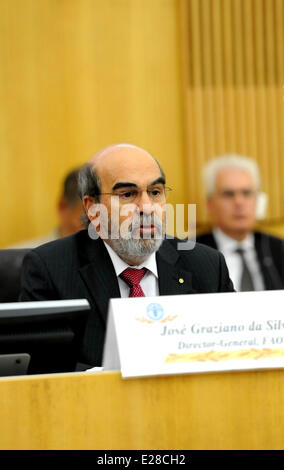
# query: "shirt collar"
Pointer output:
{"type": "Point", "coordinates": [120, 265]}
{"type": "Point", "coordinates": [228, 244]}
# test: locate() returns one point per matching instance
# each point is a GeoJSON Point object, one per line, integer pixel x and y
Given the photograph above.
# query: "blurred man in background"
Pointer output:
{"type": "Point", "coordinates": [69, 211]}
{"type": "Point", "coordinates": [254, 259]}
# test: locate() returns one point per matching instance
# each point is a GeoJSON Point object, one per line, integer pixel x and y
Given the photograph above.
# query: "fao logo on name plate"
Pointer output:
{"type": "Point", "coordinates": [155, 312]}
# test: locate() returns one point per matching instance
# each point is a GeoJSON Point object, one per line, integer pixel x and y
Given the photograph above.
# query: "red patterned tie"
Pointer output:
{"type": "Point", "coordinates": [133, 277]}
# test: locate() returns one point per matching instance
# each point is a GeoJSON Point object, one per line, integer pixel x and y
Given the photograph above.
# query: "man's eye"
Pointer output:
{"type": "Point", "coordinates": [127, 194]}
{"type": "Point", "coordinates": [228, 193]}
{"type": "Point", "coordinates": [247, 192]}
{"type": "Point", "coordinates": [155, 192]}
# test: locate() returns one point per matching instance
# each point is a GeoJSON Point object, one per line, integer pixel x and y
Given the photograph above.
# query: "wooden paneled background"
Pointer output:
{"type": "Point", "coordinates": [233, 83]}
{"type": "Point", "coordinates": [186, 79]}
{"type": "Point", "coordinates": [75, 76]}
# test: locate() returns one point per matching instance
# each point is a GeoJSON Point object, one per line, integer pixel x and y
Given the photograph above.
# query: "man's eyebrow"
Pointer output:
{"type": "Point", "coordinates": [231, 190]}
{"type": "Point", "coordinates": [123, 184]}
{"type": "Point", "coordinates": [160, 180]}
{"type": "Point", "coordinates": [126, 184]}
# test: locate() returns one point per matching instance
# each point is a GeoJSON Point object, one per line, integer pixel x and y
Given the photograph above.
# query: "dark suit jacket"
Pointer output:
{"type": "Point", "coordinates": [270, 253]}
{"type": "Point", "coordinates": [79, 267]}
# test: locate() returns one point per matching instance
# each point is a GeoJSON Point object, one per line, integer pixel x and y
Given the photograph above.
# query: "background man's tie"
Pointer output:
{"type": "Point", "coordinates": [246, 279]}
{"type": "Point", "coordinates": [132, 277]}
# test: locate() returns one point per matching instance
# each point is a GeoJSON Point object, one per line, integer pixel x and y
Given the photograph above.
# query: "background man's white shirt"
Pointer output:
{"type": "Point", "coordinates": [228, 247]}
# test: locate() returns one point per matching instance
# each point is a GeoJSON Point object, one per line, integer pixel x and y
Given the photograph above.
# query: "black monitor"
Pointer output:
{"type": "Point", "coordinates": [41, 337]}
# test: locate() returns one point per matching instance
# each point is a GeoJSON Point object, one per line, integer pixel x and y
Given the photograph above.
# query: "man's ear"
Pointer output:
{"type": "Point", "coordinates": [97, 214]}
{"type": "Point", "coordinates": [62, 204]}
{"type": "Point", "coordinates": [90, 207]}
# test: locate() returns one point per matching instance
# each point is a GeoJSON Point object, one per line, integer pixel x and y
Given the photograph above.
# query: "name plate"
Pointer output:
{"type": "Point", "coordinates": [195, 333]}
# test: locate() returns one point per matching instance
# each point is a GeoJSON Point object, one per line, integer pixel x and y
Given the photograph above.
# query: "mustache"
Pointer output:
{"type": "Point", "coordinates": [146, 220]}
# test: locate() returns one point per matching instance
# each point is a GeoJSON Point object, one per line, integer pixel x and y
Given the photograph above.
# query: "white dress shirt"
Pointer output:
{"type": "Point", "coordinates": [149, 282]}
{"type": "Point", "coordinates": [228, 247]}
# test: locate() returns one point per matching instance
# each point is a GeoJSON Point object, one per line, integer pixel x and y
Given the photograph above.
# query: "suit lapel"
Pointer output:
{"type": "Point", "coordinates": [99, 276]}
{"type": "Point", "coordinates": [172, 279]}
{"type": "Point", "coordinates": [270, 274]}
{"type": "Point", "coordinates": [211, 241]}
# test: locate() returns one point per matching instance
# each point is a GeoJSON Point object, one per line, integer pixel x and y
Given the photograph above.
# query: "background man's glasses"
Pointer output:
{"type": "Point", "coordinates": [229, 194]}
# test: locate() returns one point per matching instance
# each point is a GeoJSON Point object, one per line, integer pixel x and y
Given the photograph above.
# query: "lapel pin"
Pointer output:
{"type": "Point", "coordinates": [181, 280]}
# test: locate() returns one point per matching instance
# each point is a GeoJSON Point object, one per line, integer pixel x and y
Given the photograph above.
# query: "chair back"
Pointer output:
{"type": "Point", "coordinates": [10, 273]}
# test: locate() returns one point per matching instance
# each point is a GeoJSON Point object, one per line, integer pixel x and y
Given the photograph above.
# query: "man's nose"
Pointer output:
{"type": "Point", "coordinates": [239, 198]}
{"type": "Point", "coordinates": [144, 203]}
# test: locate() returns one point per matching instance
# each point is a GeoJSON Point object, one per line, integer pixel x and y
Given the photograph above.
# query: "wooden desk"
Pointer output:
{"type": "Point", "coordinates": [240, 410]}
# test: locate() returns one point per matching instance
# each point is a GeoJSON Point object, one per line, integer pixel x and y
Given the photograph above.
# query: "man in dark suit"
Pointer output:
{"type": "Point", "coordinates": [124, 251]}
{"type": "Point", "coordinates": [254, 259]}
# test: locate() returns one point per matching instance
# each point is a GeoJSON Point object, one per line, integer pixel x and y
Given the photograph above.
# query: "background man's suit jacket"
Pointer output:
{"type": "Point", "coordinates": [78, 267]}
{"type": "Point", "coordinates": [270, 254]}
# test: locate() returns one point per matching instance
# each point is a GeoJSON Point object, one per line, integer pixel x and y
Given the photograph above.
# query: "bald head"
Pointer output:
{"type": "Point", "coordinates": [116, 148]}
{"type": "Point", "coordinates": [123, 163]}
{"type": "Point", "coordinates": [108, 161]}
{"type": "Point", "coordinates": [115, 158]}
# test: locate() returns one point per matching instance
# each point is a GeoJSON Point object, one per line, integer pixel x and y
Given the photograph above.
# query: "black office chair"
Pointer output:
{"type": "Point", "coordinates": [10, 273]}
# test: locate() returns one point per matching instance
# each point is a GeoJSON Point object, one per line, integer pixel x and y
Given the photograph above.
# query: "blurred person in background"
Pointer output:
{"type": "Point", "coordinates": [254, 259]}
{"type": "Point", "coordinates": [69, 211]}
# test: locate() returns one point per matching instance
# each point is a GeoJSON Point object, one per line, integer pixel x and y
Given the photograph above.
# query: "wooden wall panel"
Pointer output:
{"type": "Point", "coordinates": [77, 75]}
{"type": "Point", "coordinates": [233, 81]}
